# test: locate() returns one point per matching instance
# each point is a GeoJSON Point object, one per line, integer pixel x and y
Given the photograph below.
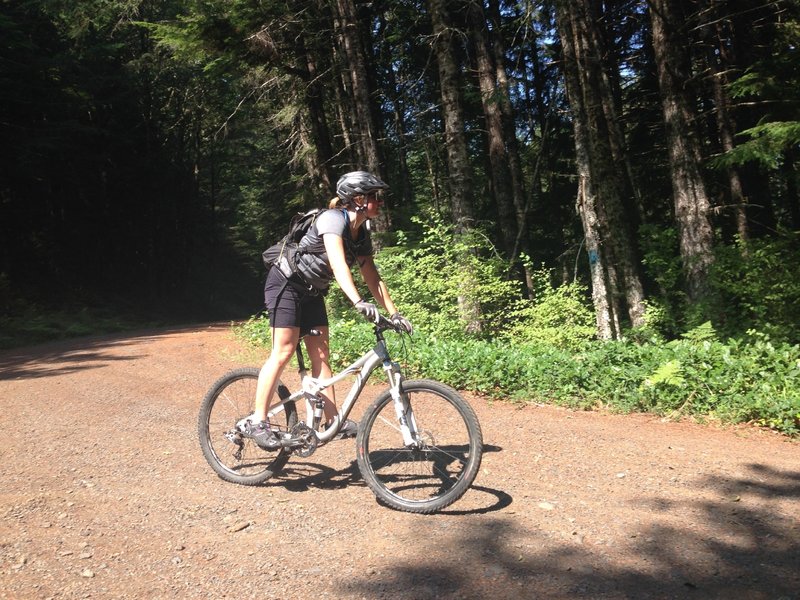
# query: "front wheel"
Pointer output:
{"type": "Point", "coordinates": [233, 457]}
{"type": "Point", "coordinates": [434, 472]}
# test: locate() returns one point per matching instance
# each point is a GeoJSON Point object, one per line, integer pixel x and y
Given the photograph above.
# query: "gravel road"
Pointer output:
{"type": "Point", "coordinates": [104, 494]}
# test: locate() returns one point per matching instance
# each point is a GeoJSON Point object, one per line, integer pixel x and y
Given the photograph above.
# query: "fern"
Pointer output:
{"type": "Point", "coordinates": [670, 373]}
{"type": "Point", "coordinates": [701, 333]}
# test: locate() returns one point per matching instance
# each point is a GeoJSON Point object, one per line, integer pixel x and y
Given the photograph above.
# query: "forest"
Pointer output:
{"type": "Point", "coordinates": [562, 171]}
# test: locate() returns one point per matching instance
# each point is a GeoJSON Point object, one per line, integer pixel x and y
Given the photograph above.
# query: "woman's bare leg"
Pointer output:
{"type": "Point", "coordinates": [319, 351]}
{"type": "Point", "coordinates": [284, 342]}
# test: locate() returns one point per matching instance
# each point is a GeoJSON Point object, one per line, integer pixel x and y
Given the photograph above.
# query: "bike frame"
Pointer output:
{"type": "Point", "coordinates": [363, 369]}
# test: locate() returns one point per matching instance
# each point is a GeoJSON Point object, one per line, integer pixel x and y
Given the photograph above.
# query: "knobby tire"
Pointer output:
{"type": "Point", "coordinates": [422, 480]}
{"type": "Point", "coordinates": [231, 398]}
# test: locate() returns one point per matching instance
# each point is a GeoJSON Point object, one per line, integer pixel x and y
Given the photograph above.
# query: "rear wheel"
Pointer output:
{"type": "Point", "coordinates": [233, 457]}
{"type": "Point", "coordinates": [435, 472]}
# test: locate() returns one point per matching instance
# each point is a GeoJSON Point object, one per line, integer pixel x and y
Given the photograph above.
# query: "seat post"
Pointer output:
{"type": "Point", "coordinates": [301, 363]}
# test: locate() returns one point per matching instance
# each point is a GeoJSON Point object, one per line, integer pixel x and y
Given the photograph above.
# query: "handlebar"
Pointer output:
{"type": "Point", "coordinates": [385, 324]}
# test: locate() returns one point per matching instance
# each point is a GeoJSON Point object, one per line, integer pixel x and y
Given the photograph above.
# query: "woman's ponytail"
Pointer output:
{"type": "Point", "coordinates": [335, 203]}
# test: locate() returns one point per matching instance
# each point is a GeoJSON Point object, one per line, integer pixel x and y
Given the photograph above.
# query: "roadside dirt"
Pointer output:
{"type": "Point", "coordinates": [104, 494]}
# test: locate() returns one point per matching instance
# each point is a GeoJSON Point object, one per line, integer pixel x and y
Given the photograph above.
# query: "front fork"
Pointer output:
{"type": "Point", "coordinates": [402, 406]}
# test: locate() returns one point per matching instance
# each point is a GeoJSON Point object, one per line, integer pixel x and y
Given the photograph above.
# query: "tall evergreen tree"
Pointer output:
{"type": "Point", "coordinates": [691, 200]}
{"type": "Point", "coordinates": [615, 278]}
{"type": "Point", "coordinates": [459, 170]}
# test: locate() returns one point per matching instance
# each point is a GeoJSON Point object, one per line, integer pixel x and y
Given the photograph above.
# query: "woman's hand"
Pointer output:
{"type": "Point", "coordinates": [401, 322]}
{"type": "Point", "coordinates": [368, 310]}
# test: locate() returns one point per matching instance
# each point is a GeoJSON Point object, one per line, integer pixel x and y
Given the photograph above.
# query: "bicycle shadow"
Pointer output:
{"type": "Point", "coordinates": [301, 477]}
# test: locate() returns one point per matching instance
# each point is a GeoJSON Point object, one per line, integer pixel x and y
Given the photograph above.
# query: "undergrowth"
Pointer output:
{"type": "Point", "coordinates": [738, 381]}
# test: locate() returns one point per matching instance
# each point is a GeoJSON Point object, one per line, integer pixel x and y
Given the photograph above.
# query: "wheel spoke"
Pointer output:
{"type": "Point", "coordinates": [389, 423]}
{"type": "Point", "coordinates": [230, 400]}
{"type": "Point", "coordinates": [433, 475]}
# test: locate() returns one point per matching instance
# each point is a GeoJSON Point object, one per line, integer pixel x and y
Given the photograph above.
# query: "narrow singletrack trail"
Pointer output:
{"type": "Point", "coordinates": [104, 494]}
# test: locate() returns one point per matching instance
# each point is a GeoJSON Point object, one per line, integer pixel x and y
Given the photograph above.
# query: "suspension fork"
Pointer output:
{"type": "Point", "coordinates": [402, 405]}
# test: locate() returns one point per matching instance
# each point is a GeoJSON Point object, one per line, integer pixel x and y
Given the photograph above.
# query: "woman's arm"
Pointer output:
{"type": "Point", "coordinates": [375, 284]}
{"type": "Point", "coordinates": [334, 246]}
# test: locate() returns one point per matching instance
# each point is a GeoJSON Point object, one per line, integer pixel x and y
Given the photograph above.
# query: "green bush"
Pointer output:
{"type": "Point", "coordinates": [427, 277]}
{"type": "Point", "coordinates": [759, 287]}
{"type": "Point", "coordinates": [557, 316]}
{"type": "Point", "coordinates": [755, 285]}
{"type": "Point", "coordinates": [754, 380]}
{"type": "Point", "coordinates": [662, 264]}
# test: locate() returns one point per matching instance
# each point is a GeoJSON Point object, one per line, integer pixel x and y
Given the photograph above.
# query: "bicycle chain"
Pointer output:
{"type": "Point", "coordinates": [308, 438]}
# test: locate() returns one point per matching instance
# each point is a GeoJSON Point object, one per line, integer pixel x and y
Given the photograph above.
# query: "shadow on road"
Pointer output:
{"type": "Point", "coordinates": [78, 354]}
{"type": "Point", "coordinates": [754, 553]}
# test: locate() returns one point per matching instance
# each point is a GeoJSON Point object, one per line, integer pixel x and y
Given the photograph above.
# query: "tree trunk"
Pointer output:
{"type": "Point", "coordinates": [540, 117]}
{"type": "Point", "coordinates": [495, 138]}
{"type": "Point", "coordinates": [600, 168]}
{"type": "Point", "coordinates": [356, 74]}
{"type": "Point", "coordinates": [719, 62]}
{"type": "Point", "coordinates": [586, 207]}
{"type": "Point", "coordinates": [692, 206]}
{"type": "Point", "coordinates": [509, 124]}
{"type": "Point", "coordinates": [789, 168]}
{"type": "Point", "coordinates": [726, 128]}
{"type": "Point", "coordinates": [433, 176]}
{"type": "Point", "coordinates": [319, 132]}
{"type": "Point", "coordinates": [406, 192]}
{"type": "Point", "coordinates": [586, 203]}
{"type": "Point", "coordinates": [459, 171]}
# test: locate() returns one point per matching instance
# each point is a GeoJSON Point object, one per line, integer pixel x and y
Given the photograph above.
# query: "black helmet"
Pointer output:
{"type": "Point", "coordinates": [357, 183]}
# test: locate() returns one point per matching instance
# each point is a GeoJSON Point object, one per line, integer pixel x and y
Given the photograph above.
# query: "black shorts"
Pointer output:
{"type": "Point", "coordinates": [290, 306]}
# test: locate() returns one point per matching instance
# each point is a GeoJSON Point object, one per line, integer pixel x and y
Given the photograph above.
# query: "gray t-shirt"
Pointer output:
{"type": "Point", "coordinates": [312, 261]}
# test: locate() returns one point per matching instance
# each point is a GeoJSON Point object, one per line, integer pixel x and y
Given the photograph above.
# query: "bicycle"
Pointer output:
{"type": "Point", "coordinates": [418, 446]}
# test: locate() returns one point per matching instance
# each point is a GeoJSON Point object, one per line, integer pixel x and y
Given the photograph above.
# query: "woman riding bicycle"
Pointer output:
{"type": "Point", "coordinates": [335, 242]}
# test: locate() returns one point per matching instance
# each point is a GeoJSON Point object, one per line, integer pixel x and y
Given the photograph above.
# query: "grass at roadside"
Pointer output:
{"type": "Point", "coordinates": [752, 380]}
{"type": "Point", "coordinates": [36, 325]}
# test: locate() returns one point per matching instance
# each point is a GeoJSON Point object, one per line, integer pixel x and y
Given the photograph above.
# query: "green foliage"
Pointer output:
{"type": "Point", "coordinates": [427, 277]}
{"type": "Point", "coordinates": [657, 321]}
{"type": "Point", "coordinates": [756, 286]}
{"type": "Point", "coordinates": [759, 287]}
{"type": "Point", "coordinates": [255, 331]}
{"type": "Point", "coordinates": [740, 381]}
{"type": "Point", "coordinates": [37, 324]}
{"type": "Point", "coordinates": [701, 333]}
{"type": "Point", "coordinates": [774, 83]}
{"type": "Point", "coordinates": [662, 264]}
{"type": "Point", "coordinates": [24, 323]}
{"type": "Point", "coordinates": [753, 379]}
{"type": "Point", "coordinates": [558, 316]}
{"type": "Point", "coordinates": [668, 374]}
{"type": "Point", "coordinates": [150, 151]}
{"type": "Point", "coordinates": [766, 144]}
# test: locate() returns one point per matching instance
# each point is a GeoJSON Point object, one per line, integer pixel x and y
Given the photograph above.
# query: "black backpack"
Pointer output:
{"type": "Point", "coordinates": [284, 253]}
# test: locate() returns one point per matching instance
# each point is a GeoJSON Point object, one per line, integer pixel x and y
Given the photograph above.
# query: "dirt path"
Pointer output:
{"type": "Point", "coordinates": [104, 494]}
